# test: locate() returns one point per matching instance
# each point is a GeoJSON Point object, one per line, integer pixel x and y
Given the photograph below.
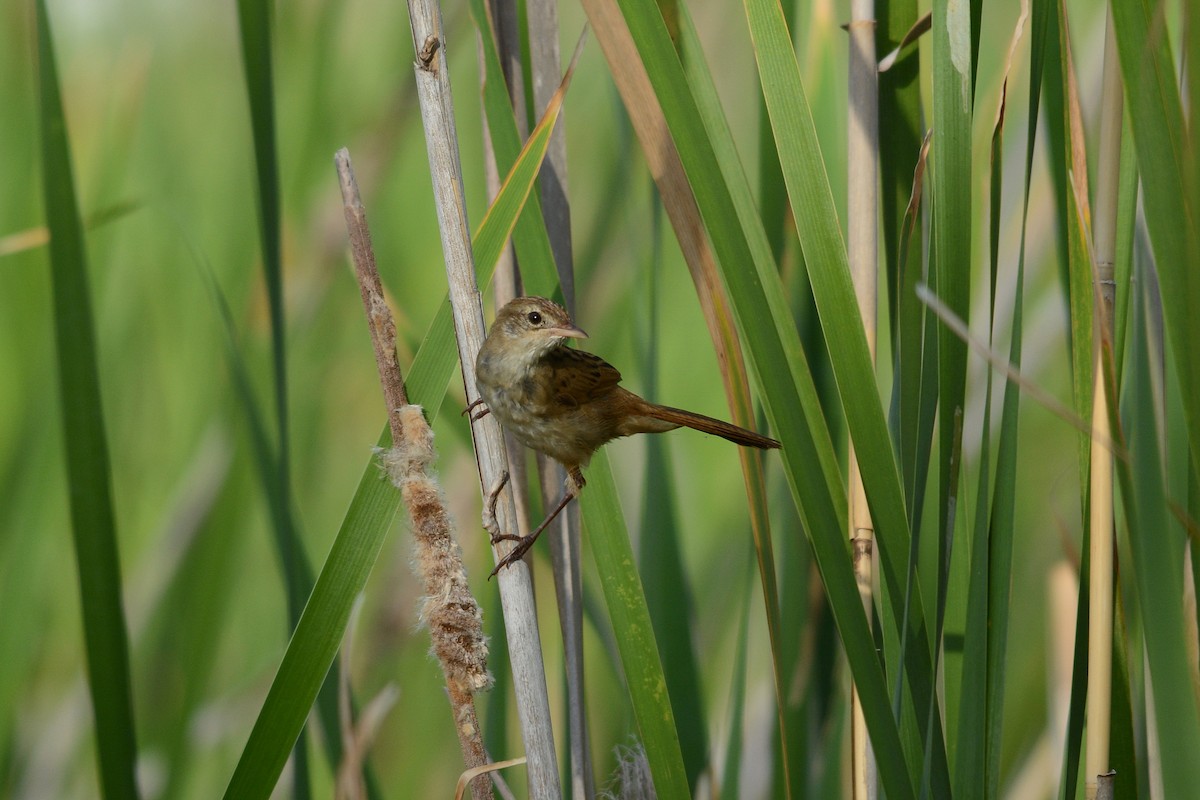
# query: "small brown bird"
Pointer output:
{"type": "Point", "coordinates": [564, 402]}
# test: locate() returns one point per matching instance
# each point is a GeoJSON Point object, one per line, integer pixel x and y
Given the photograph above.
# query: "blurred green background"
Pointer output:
{"type": "Point", "coordinates": [160, 132]}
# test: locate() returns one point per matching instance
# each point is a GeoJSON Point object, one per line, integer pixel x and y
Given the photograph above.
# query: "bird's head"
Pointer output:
{"type": "Point", "coordinates": [534, 325]}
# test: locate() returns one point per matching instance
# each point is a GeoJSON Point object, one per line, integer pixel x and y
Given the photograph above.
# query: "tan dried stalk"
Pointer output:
{"type": "Point", "coordinates": [448, 608]}
{"type": "Point", "coordinates": [1100, 586]}
{"type": "Point", "coordinates": [862, 251]}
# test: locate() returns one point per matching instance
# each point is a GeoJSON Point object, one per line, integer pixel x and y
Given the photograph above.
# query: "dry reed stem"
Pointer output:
{"type": "Point", "coordinates": [1100, 585]}
{"type": "Point", "coordinates": [862, 132]}
{"type": "Point", "coordinates": [516, 590]}
{"type": "Point", "coordinates": [449, 609]}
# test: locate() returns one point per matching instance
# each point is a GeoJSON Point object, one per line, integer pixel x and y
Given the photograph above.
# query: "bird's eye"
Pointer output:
{"type": "Point", "coordinates": [534, 318]}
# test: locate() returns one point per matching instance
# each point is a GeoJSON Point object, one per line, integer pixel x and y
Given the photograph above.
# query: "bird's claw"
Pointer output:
{"type": "Point", "coordinates": [516, 554]}
{"type": "Point", "coordinates": [489, 510]}
{"type": "Point", "coordinates": [475, 417]}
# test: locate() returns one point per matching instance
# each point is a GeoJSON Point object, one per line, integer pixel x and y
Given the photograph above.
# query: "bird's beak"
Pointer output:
{"type": "Point", "coordinates": [567, 333]}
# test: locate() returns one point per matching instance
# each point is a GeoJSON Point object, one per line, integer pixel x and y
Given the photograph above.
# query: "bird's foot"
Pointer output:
{"type": "Point", "coordinates": [477, 415]}
{"type": "Point", "coordinates": [526, 542]}
{"type": "Point", "coordinates": [489, 510]}
{"type": "Point", "coordinates": [516, 554]}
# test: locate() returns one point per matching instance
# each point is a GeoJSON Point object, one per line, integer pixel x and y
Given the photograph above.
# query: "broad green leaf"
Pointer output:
{"type": "Point", "coordinates": [85, 442]}
{"type": "Point", "coordinates": [530, 239]}
{"type": "Point", "coordinates": [1166, 160]}
{"type": "Point", "coordinates": [825, 255]}
{"type": "Point", "coordinates": [1157, 542]}
{"type": "Point", "coordinates": [953, 71]}
{"type": "Point", "coordinates": [660, 561]}
{"type": "Point", "coordinates": [899, 152]}
{"type": "Point", "coordinates": [732, 767]}
{"type": "Point", "coordinates": [788, 392]}
{"type": "Point", "coordinates": [254, 18]}
{"type": "Point", "coordinates": [626, 600]}
{"type": "Point", "coordinates": [680, 205]}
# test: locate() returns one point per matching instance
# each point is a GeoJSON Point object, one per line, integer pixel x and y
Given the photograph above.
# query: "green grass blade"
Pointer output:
{"type": "Point", "coordinates": [294, 561]}
{"type": "Point", "coordinates": [626, 603]}
{"type": "Point", "coordinates": [1127, 201]}
{"type": "Point", "coordinates": [1000, 556]}
{"type": "Point", "coordinates": [86, 445]}
{"type": "Point", "coordinates": [318, 634]}
{"type": "Point", "coordinates": [1157, 542]}
{"type": "Point", "coordinates": [723, 319]}
{"type": "Point", "coordinates": [788, 393]}
{"type": "Point", "coordinates": [659, 556]}
{"type": "Point", "coordinates": [899, 151]}
{"type": "Point", "coordinates": [1123, 739]}
{"type": "Point", "coordinates": [951, 165]}
{"type": "Point", "coordinates": [1078, 275]}
{"type": "Point", "coordinates": [967, 621]}
{"type": "Point", "coordinates": [772, 191]}
{"type": "Point", "coordinates": [825, 254]}
{"type": "Point", "coordinates": [732, 767]}
{"type": "Point", "coordinates": [1164, 158]}
{"type": "Point", "coordinates": [254, 18]}
{"type": "Point", "coordinates": [1077, 705]}
{"type": "Point", "coordinates": [660, 563]}
{"type": "Point", "coordinates": [530, 239]}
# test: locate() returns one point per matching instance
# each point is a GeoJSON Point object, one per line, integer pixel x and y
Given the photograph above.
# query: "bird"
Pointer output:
{"type": "Point", "coordinates": [565, 403]}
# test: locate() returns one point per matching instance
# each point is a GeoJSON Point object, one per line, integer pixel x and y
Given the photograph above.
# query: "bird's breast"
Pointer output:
{"type": "Point", "coordinates": [523, 401]}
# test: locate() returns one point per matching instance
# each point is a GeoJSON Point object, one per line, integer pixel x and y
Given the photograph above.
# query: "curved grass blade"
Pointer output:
{"type": "Point", "coordinates": [626, 601]}
{"type": "Point", "coordinates": [85, 443]}
{"type": "Point", "coordinates": [770, 334]}
{"type": "Point", "coordinates": [1157, 542]}
{"type": "Point", "coordinates": [660, 561]}
{"type": "Point", "coordinates": [360, 537]}
{"type": "Point", "coordinates": [530, 239]}
{"type": "Point", "coordinates": [732, 766]}
{"type": "Point", "coordinates": [825, 254]}
{"type": "Point", "coordinates": [254, 18]}
{"type": "Point", "coordinates": [254, 23]}
{"type": "Point", "coordinates": [953, 88]}
{"type": "Point", "coordinates": [1166, 161]}
{"type": "Point", "coordinates": [680, 204]}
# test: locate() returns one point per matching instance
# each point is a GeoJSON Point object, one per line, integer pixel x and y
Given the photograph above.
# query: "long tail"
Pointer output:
{"type": "Point", "coordinates": [716, 427]}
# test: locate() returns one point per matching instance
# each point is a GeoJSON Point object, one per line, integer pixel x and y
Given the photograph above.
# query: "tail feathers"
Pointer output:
{"type": "Point", "coordinates": [689, 419]}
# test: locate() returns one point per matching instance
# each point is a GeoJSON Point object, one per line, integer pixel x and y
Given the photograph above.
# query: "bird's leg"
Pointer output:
{"type": "Point", "coordinates": [489, 509]}
{"type": "Point", "coordinates": [573, 484]}
{"type": "Point", "coordinates": [479, 415]}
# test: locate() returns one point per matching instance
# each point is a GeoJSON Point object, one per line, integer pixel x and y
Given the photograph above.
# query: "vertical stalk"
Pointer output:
{"type": "Point", "coordinates": [862, 251]}
{"type": "Point", "coordinates": [506, 280]}
{"type": "Point", "coordinates": [1100, 620]}
{"type": "Point", "coordinates": [564, 533]}
{"type": "Point", "coordinates": [545, 71]}
{"type": "Point", "coordinates": [516, 589]}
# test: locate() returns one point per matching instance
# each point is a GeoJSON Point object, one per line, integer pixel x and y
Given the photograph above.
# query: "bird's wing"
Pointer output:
{"type": "Point", "coordinates": [579, 377]}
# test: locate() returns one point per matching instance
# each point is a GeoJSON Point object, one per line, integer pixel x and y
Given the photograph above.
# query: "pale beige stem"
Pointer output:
{"type": "Point", "coordinates": [1100, 587]}
{"type": "Point", "coordinates": [516, 589]}
{"type": "Point", "coordinates": [862, 251]}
